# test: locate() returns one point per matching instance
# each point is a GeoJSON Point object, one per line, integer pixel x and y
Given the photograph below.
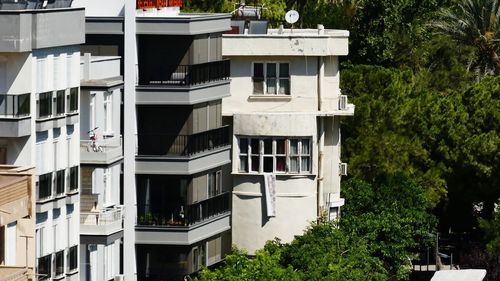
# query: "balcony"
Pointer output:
{"type": "Point", "coordinates": [26, 29]}
{"type": "Point", "coordinates": [155, 22]}
{"type": "Point", "coordinates": [103, 222]}
{"type": "Point", "coordinates": [183, 154]}
{"type": "Point", "coordinates": [108, 151]}
{"type": "Point", "coordinates": [185, 84]}
{"type": "Point", "coordinates": [188, 225]}
{"type": "Point", "coordinates": [15, 118]}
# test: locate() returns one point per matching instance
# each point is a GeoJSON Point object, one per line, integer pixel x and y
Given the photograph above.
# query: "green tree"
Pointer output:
{"type": "Point", "coordinates": [475, 23]}
{"type": "Point", "coordinates": [390, 214]}
{"type": "Point", "coordinates": [492, 231]}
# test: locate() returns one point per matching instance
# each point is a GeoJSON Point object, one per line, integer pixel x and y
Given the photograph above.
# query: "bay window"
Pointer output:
{"type": "Point", "coordinates": [275, 155]}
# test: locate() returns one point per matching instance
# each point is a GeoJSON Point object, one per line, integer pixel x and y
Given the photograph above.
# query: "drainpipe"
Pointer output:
{"type": "Point", "coordinates": [321, 145]}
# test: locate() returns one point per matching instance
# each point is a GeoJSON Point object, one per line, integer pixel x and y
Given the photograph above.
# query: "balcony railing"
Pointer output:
{"type": "Point", "coordinates": [186, 215]}
{"type": "Point", "coordinates": [148, 4]}
{"type": "Point", "coordinates": [102, 217]}
{"type": "Point", "coordinates": [182, 145]}
{"type": "Point", "coordinates": [104, 151]}
{"type": "Point", "coordinates": [13, 273]}
{"type": "Point", "coordinates": [189, 75]}
{"type": "Point", "coordinates": [14, 106]}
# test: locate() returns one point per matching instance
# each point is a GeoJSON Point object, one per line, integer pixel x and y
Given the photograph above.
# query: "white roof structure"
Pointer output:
{"type": "Point", "coordinates": [459, 275]}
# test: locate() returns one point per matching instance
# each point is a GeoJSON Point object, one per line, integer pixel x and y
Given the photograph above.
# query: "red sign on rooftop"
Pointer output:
{"type": "Point", "coordinates": [149, 4]}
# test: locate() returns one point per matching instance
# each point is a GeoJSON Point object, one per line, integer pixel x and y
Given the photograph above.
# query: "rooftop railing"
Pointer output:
{"type": "Point", "coordinates": [104, 216]}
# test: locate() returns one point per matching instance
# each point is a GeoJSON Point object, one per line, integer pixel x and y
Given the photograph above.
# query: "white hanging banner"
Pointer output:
{"type": "Point", "coordinates": [270, 190]}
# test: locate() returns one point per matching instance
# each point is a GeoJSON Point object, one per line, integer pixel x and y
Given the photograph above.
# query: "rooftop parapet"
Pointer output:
{"type": "Point", "coordinates": [28, 29]}
{"type": "Point", "coordinates": [287, 42]}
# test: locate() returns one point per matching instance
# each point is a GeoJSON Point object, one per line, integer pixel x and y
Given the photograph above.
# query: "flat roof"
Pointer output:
{"type": "Point", "coordinates": [300, 33]}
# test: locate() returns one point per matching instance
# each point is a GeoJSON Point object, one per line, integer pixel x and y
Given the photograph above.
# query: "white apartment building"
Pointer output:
{"type": "Point", "coordinates": [176, 160]}
{"type": "Point", "coordinates": [39, 121]}
{"type": "Point", "coordinates": [285, 108]}
{"type": "Point", "coordinates": [101, 211]}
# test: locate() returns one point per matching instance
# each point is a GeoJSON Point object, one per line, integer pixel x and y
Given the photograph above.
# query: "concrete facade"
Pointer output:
{"type": "Point", "coordinates": [40, 80]}
{"type": "Point", "coordinates": [285, 107]}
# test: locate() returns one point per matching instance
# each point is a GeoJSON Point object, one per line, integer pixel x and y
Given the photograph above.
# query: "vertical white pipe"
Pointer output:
{"type": "Point", "coordinates": [321, 146]}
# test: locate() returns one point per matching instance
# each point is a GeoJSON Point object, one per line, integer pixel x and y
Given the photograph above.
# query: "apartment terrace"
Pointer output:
{"type": "Point", "coordinates": [182, 154]}
{"type": "Point", "coordinates": [103, 222]}
{"type": "Point", "coordinates": [185, 84]}
{"type": "Point", "coordinates": [104, 152]}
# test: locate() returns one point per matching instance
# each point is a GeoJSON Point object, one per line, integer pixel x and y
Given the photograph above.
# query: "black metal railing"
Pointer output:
{"type": "Point", "coordinates": [209, 208]}
{"type": "Point", "coordinates": [182, 145]}
{"type": "Point", "coordinates": [183, 216]}
{"type": "Point", "coordinates": [189, 75]}
{"type": "Point", "coordinates": [14, 105]}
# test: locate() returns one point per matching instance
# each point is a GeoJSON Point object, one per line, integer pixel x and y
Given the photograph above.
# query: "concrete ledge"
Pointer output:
{"type": "Point", "coordinates": [176, 95]}
{"type": "Point", "coordinates": [184, 24]}
{"type": "Point", "coordinates": [104, 25]}
{"type": "Point", "coordinates": [50, 123]}
{"type": "Point", "coordinates": [15, 127]}
{"type": "Point", "coordinates": [200, 162]}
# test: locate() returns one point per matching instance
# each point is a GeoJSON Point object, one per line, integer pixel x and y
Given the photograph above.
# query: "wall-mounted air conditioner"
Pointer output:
{"type": "Point", "coordinates": [343, 102]}
{"type": "Point", "coordinates": [343, 169]}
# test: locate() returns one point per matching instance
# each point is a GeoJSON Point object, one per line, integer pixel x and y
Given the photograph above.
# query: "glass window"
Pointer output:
{"type": "Point", "coordinates": [44, 105]}
{"type": "Point", "coordinates": [60, 175]}
{"type": "Point", "coordinates": [44, 270]}
{"type": "Point", "coordinates": [23, 105]}
{"type": "Point", "coordinates": [59, 263]}
{"type": "Point", "coordinates": [44, 186]}
{"type": "Point", "coordinates": [73, 178]}
{"type": "Point", "coordinates": [275, 155]}
{"type": "Point", "coordinates": [108, 113]}
{"type": "Point", "coordinates": [271, 78]}
{"type": "Point", "coordinates": [73, 99]}
{"type": "Point", "coordinates": [72, 258]}
{"type": "Point", "coordinates": [258, 78]}
{"type": "Point", "coordinates": [60, 102]}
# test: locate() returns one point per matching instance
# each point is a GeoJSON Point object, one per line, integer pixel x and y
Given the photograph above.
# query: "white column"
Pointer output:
{"type": "Point", "coordinates": [130, 55]}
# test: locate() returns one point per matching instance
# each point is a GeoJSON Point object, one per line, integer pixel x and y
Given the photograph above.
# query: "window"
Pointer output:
{"type": "Point", "coordinates": [73, 178]}
{"type": "Point", "coordinates": [44, 269]}
{"type": "Point", "coordinates": [44, 105]}
{"type": "Point", "coordinates": [60, 102]}
{"type": "Point", "coordinates": [60, 175]}
{"type": "Point", "coordinates": [73, 99]}
{"type": "Point", "coordinates": [271, 78]}
{"type": "Point", "coordinates": [214, 183]}
{"type": "Point", "coordinates": [59, 263]}
{"type": "Point", "coordinates": [44, 186]}
{"type": "Point", "coordinates": [72, 258]}
{"type": "Point", "coordinates": [275, 155]}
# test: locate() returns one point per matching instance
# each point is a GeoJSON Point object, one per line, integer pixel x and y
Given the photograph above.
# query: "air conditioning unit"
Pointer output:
{"type": "Point", "coordinates": [120, 277]}
{"type": "Point", "coordinates": [343, 102]}
{"type": "Point", "coordinates": [343, 169]}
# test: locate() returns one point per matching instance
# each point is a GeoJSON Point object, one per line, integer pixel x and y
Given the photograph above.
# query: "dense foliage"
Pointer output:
{"type": "Point", "coordinates": [424, 76]}
{"type": "Point", "coordinates": [379, 234]}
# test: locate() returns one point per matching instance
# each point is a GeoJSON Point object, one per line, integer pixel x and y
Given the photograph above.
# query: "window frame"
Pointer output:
{"type": "Point", "coordinates": [49, 105]}
{"type": "Point", "coordinates": [262, 154]}
{"type": "Point", "coordinates": [73, 99]}
{"type": "Point", "coordinates": [60, 274]}
{"type": "Point", "coordinates": [70, 269]}
{"type": "Point", "coordinates": [60, 102]}
{"type": "Point", "coordinates": [50, 188]}
{"type": "Point", "coordinates": [277, 76]}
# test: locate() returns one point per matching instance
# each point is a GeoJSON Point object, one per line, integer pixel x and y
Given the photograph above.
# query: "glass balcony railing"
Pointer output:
{"type": "Point", "coordinates": [184, 216]}
{"type": "Point", "coordinates": [188, 75]}
{"type": "Point", "coordinates": [182, 145]}
{"type": "Point", "coordinates": [14, 106]}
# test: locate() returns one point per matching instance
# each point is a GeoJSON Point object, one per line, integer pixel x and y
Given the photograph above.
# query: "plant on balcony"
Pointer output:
{"type": "Point", "coordinates": [149, 218]}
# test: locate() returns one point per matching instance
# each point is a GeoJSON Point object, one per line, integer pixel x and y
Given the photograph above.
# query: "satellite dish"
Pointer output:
{"type": "Point", "coordinates": [292, 16]}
